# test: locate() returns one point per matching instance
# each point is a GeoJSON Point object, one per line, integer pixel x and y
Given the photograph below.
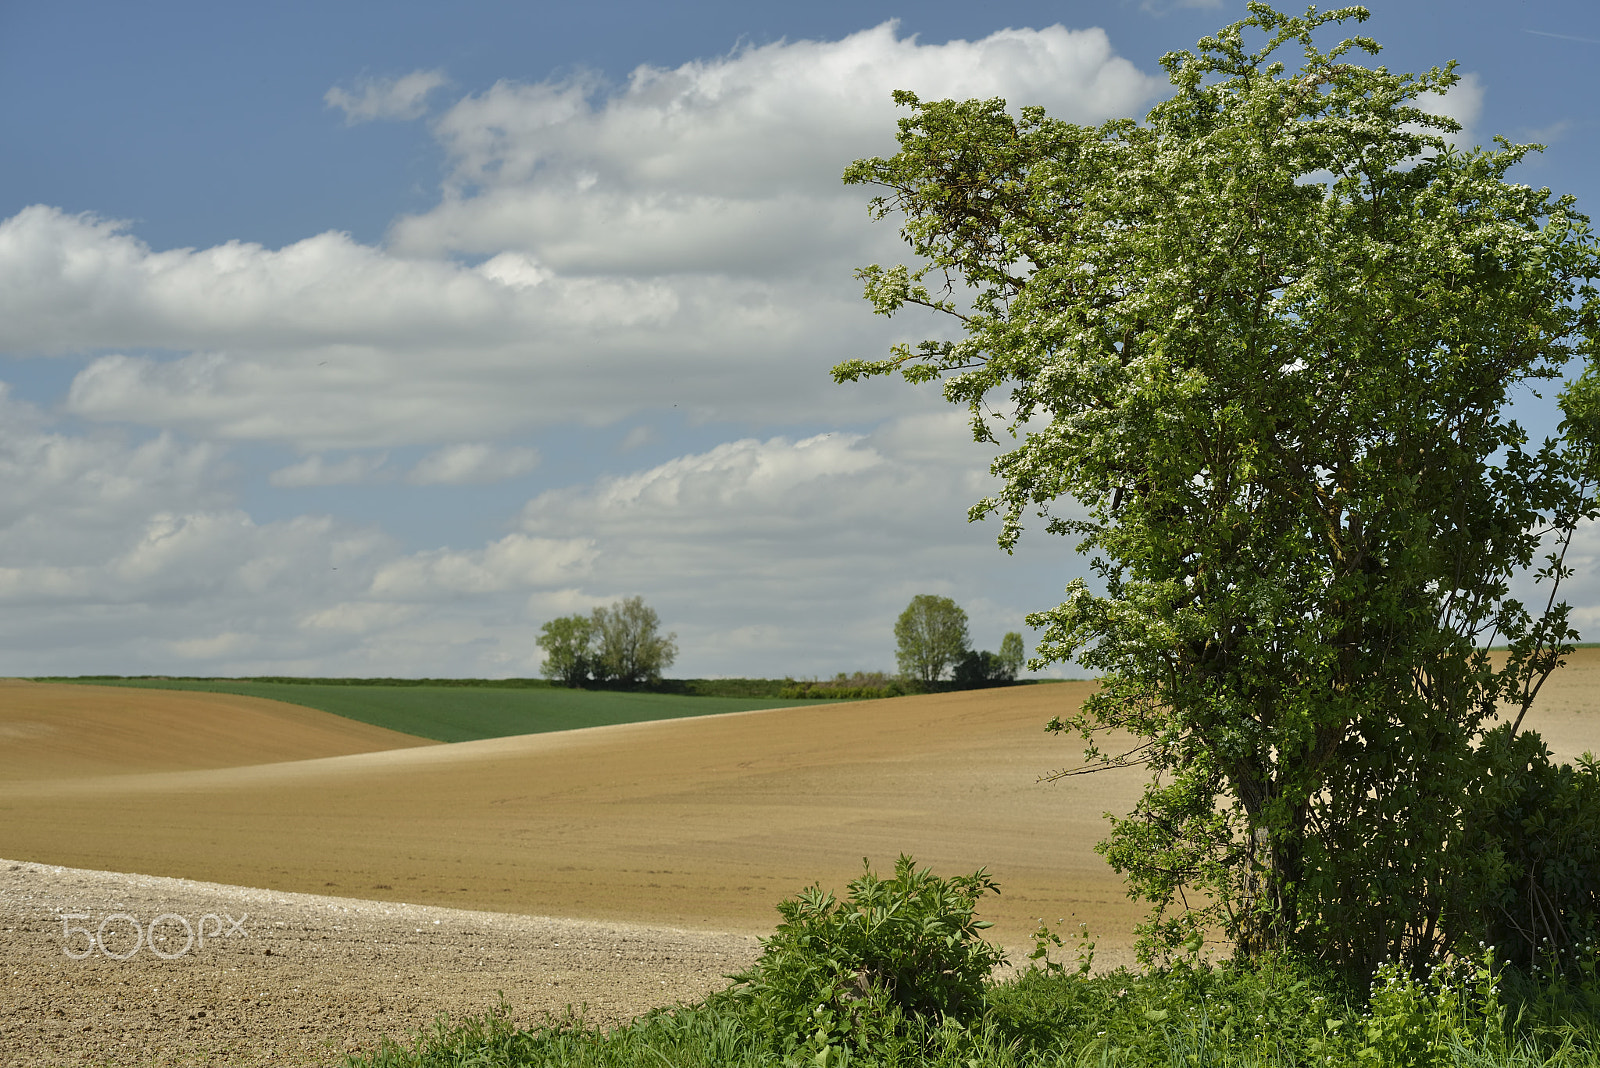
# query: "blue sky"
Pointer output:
{"type": "Point", "coordinates": [364, 338]}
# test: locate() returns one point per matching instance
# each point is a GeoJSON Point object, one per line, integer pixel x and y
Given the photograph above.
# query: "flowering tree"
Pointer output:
{"type": "Point", "coordinates": [1265, 340]}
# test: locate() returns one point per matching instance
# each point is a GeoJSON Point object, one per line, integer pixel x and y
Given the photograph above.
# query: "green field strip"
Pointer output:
{"type": "Point", "coordinates": [465, 714]}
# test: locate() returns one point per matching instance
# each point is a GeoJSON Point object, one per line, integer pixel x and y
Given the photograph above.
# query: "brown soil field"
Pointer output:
{"type": "Point", "coordinates": [701, 823]}
{"type": "Point", "coordinates": [694, 826]}
{"type": "Point", "coordinates": [56, 730]}
{"type": "Point", "coordinates": [1567, 711]}
{"type": "Point", "coordinates": [305, 978]}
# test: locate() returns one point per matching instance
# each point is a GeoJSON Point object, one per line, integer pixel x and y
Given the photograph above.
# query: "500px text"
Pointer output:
{"type": "Point", "coordinates": [121, 926]}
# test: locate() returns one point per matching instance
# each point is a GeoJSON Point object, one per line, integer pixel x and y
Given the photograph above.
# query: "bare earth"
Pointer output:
{"type": "Point", "coordinates": [697, 823]}
{"type": "Point", "coordinates": [305, 979]}
{"type": "Point", "coordinates": [691, 828]}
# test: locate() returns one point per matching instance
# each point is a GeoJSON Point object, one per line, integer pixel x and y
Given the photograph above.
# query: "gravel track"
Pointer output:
{"type": "Point", "coordinates": [289, 979]}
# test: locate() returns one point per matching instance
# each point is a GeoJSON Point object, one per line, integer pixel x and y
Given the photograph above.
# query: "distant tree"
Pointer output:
{"type": "Point", "coordinates": [621, 644]}
{"type": "Point", "coordinates": [931, 635]}
{"type": "Point", "coordinates": [1012, 655]}
{"type": "Point", "coordinates": [568, 656]}
{"type": "Point", "coordinates": [976, 669]}
{"type": "Point", "coordinates": [629, 648]}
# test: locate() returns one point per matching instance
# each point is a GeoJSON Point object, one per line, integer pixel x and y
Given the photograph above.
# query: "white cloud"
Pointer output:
{"type": "Point", "coordinates": [315, 471]}
{"type": "Point", "coordinates": [786, 555]}
{"type": "Point", "coordinates": [767, 473]}
{"type": "Point", "coordinates": [1582, 590]}
{"type": "Point", "coordinates": [639, 436]}
{"type": "Point", "coordinates": [682, 240]}
{"type": "Point", "coordinates": [405, 97]}
{"type": "Point", "coordinates": [1463, 102]}
{"type": "Point", "coordinates": [472, 462]}
{"type": "Point", "coordinates": [1549, 134]}
{"type": "Point", "coordinates": [214, 647]}
{"type": "Point", "coordinates": [767, 555]}
{"type": "Point", "coordinates": [516, 561]}
{"type": "Point", "coordinates": [68, 496]}
{"type": "Point", "coordinates": [728, 162]}
{"type": "Point", "coordinates": [331, 344]}
{"type": "Point", "coordinates": [679, 242]}
{"type": "Point", "coordinates": [358, 617]}
{"type": "Point", "coordinates": [75, 282]}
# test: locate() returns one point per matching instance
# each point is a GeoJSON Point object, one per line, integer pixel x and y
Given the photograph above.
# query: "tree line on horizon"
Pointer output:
{"type": "Point", "coordinates": [621, 646]}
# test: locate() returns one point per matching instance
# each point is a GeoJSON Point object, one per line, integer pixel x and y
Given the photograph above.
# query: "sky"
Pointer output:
{"type": "Point", "coordinates": [364, 338]}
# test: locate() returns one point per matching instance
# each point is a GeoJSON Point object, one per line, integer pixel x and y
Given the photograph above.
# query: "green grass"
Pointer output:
{"type": "Point", "coordinates": [1272, 1015]}
{"type": "Point", "coordinates": [448, 711]}
{"type": "Point", "coordinates": [869, 979]}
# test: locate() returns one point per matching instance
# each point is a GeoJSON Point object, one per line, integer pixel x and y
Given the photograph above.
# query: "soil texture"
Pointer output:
{"type": "Point", "coordinates": [289, 980]}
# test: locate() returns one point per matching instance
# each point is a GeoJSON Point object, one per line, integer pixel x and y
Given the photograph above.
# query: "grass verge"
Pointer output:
{"type": "Point", "coordinates": [1275, 1013]}
{"type": "Point", "coordinates": [893, 974]}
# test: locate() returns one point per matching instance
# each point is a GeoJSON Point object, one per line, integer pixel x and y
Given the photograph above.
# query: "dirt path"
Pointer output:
{"type": "Point", "coordinates": [298, 979]}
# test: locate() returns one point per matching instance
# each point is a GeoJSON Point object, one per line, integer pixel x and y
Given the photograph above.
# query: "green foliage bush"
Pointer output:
{"type": "Point", "coordinates": [1529, 879]}
{"type": "Point", "coordinates": [723, 687]}
{"type": "Point", "coordinates": [1273, 1010]}
{"type": "Point", "coordinates": [1417, 1023]}
{"type": "Point", "coordinates": [862, 686]}
{"type": "Point", "coordinates": [896, 956]}
{"type": "Point", "coordinates": [976, 670]}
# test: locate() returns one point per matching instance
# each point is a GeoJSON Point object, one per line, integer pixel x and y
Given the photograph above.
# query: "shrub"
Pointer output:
{"type": "Point", "coordinates": [977, 670]}
{"type": "Point", "coordinates": [898, 955]}
{"type": "Point", "coordinates": [862, 686]}
{"type": "Point", "coordinates": [1529, 878]}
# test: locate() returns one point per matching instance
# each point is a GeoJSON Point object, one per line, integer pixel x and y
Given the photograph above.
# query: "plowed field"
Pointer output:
{"type": "Point", "coordinates": [692, 824]}
{"type": "Point", "coordinates": [52, 731]}
{"type": "Point", "coordinates": [701, 823]}
{"type": "Point", "coordinates": [698, 823]}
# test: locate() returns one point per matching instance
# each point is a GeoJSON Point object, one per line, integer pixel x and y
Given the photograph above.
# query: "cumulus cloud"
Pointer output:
{"type": "Point", "coordinates": [1582, 589]}
{"type": "Point", "coordinates": [77, 282]}
{"type": "Point", "coordinates": [331, 344]}
{"type": "Point", "coordinates": [736, 158]}
{"type": "Point", "coordinates": [315, 471]}
{"type": "Point", "coordinates": [795, 555]}
{"type": "Point", "coordinates": [121, 554]}
{"type": "Point", "coordinates": [682, 239]}
{"type": "Point", "coordinates": [358, 617]}
{"type": "Point", "coordinates": [768, 555]}
{"type": "Point", "coordinates": [472, 462]}
{"type": "Point", "coordinates": [515, 561]}
{"type": "Point", "coordinates": [68, 495]}
{"type": "Point", "coordinates": [677, 242]}
{"type": "Point", "coordinates": [1463, 102]}
{"type": "Point", "coordinates": [637, 437]}
{"type": "Point", "coordinates": [775, 554]}
{"type": "Point", "coordinates": [405, 97]}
